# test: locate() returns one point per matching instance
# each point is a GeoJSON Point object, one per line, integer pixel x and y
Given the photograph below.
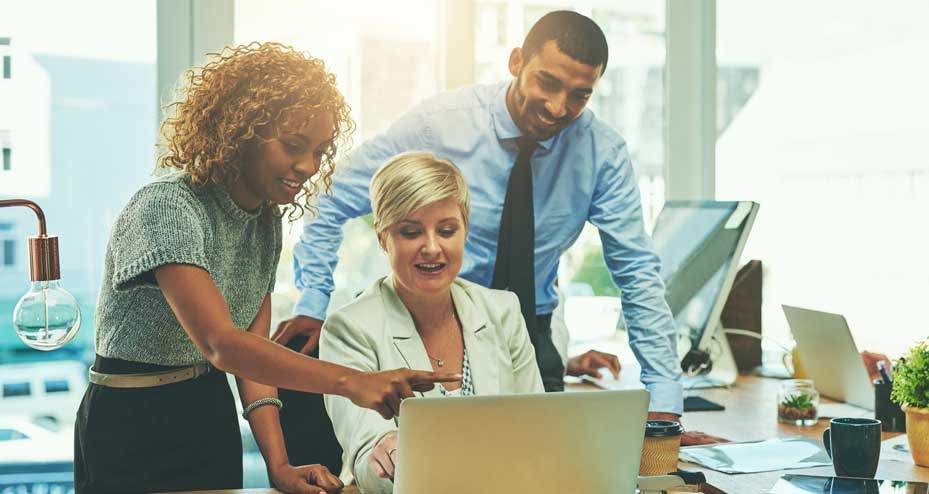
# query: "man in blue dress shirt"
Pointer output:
{"type": "Point", "coordinates": [580, 172]}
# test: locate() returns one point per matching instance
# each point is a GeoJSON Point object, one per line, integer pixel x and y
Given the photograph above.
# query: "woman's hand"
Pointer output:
{"type": "Point", "coordinates": [308, 479]}
{"type": "Point", "coordinates": [383, 391]}
{"type": "Point", "coordinates": [383, 458]}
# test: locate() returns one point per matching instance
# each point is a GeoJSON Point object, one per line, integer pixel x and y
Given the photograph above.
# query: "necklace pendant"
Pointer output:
{"type": "Point", "coordinates": [440, 362]}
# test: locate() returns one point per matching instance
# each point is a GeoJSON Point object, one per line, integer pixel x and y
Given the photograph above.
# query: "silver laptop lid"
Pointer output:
{"type": "Point", "coordinates": [829, 356]}
{"type": "Point", "coordinates": [556, 442]}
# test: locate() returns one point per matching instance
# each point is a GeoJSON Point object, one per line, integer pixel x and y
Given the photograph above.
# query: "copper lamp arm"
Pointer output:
{"type": "Point", "coordinates": [5, 203]}
{"type": "Point", "coordinates": [43, 250]}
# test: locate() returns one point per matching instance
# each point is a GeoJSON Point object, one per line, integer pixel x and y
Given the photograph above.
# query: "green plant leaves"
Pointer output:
{"type": "Point", "coordinates": [800, 401]}
{"type": "Point", "coordinates": [911, 378]}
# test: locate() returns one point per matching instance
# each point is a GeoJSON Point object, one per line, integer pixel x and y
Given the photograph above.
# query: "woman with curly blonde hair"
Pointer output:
{"type": "Point", "coordinates": [188, 273]}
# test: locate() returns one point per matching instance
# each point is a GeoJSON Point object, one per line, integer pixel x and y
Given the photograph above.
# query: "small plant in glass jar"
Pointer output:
{"type": "Point", "coordinates": [797, 402]}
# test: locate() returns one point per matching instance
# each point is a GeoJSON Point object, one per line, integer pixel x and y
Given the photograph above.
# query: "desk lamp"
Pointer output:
{"type": "Point", "coordinates": [47, 316]}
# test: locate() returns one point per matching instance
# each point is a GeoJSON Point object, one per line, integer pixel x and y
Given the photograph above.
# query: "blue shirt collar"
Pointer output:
{"type": "Point", "coordinates": [504, 125]}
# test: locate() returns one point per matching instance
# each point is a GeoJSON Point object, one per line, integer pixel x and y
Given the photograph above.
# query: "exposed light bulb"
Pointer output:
{"type": "Point", "coordinates": [47, 316]}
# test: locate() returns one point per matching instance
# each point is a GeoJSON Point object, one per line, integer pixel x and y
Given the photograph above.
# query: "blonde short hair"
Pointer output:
{"type": "Point", "coordinates": [412, 180]}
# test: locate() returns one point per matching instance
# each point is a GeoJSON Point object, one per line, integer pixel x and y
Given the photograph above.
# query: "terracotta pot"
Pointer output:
{"type": "Point", "coordinates": [917, 433]}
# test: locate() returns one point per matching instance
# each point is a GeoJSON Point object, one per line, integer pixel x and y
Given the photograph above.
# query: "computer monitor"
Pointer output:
{"type": "Point", "coordinates": [700, 244]}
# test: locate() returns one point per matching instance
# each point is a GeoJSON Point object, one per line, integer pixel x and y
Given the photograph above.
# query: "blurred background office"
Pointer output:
{"type": "Point", "coordinates": [812, 109]}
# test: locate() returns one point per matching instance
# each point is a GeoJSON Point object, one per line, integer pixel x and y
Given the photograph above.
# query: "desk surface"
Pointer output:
{"type": "Point", "coordinates": [750, 415]}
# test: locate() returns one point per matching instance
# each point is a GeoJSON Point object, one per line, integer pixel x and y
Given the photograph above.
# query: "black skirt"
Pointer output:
{"type": "Point", "coordinates": [177, 437]}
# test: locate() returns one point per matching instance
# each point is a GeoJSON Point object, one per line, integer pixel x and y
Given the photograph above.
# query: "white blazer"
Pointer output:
{"type": "Point", "coordinates": [376, 332]}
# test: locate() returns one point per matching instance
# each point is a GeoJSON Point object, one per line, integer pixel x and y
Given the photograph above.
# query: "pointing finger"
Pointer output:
{"type": "Point", "coordinates": [424, 380]}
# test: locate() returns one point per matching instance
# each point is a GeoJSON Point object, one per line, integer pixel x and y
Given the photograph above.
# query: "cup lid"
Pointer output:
{"type": "Point", "coordinates": [663, 428]}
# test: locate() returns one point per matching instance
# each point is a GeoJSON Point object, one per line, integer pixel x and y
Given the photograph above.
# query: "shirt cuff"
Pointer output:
{"type": "Point", "coordinates": [666, 397]}
{"type": "Point", "coordinates": [312, 303]}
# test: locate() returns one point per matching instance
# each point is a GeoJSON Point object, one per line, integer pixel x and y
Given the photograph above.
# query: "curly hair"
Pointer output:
{"type": "Point", "coordinates": [246, 95]}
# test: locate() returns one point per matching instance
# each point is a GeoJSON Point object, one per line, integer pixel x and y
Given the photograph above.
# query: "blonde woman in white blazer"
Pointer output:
{"type": "Point", "coordinates": [422, 316]}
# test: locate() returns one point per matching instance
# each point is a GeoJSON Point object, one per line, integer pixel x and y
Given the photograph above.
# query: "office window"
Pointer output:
{"type": "Point", "coordinates": [824, 128]}
{"type": "Point", "coordinates": [7, 60]}
{"type": "Point", "coordinates": [15, 389]}
{"type": "Point", "coordinates": [7, 246]}
{"type": "Point", "coordinates": [57, 386]}
{"type": "Point", "coordinates": [9, 252]}
{"type": "Point", "coordinates": [7, 159]}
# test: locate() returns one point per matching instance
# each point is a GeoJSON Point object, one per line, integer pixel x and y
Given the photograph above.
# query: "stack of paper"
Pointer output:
{"type": "Point", "coordinates": [759, 456]}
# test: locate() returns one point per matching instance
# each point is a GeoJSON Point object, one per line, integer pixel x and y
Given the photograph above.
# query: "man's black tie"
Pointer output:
{"type": "Point", "coordinates": [515, 265]}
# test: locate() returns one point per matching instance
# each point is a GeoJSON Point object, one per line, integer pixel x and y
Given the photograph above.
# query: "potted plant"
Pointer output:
{"type": "Point", "coordinates": [911, 391]}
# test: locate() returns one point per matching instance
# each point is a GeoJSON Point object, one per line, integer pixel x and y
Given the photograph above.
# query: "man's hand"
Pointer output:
{"type": "Point", "coordinates": [308, 479]}
{"type": "Point", "coordinates": [299, 326]}
{"type": "Point", "coordinates": [688, 438]}
{"type": "Point", "coordinates": [870, 361]}
{"type": "Point", "coordinates": [383, 458]}
{"type": "Point", "coordinates": [590, 363]}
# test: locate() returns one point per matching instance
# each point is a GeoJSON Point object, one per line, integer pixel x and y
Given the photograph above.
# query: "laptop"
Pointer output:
{"type": "Point", "coordinates": [554, 442]}
{"type": "Point", "coordinates": [830, 357]}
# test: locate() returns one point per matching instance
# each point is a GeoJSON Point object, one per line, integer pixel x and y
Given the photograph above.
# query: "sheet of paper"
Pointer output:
{"type": "Point", "coordinates": [628, 378]}
{"type": "Point", "coordinates": [629, 367]}
{"type": "Point", "coordinates": [897, 449]}
{"type": "Point", "coordinates": [760, 456]}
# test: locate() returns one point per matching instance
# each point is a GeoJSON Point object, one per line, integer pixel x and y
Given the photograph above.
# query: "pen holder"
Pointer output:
{"type": "Point", "coordinates": [889, 413]}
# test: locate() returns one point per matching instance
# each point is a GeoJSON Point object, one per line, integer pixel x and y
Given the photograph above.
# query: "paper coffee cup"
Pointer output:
{"type": "Point", "coordinates": [661, 448]}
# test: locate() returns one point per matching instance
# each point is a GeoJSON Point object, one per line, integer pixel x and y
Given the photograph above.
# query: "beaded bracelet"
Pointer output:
{"type": "Point", "coordinates": [261, 402]}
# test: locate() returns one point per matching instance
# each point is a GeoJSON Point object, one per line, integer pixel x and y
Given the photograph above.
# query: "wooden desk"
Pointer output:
{"type": "Point", "coordinates": [750, 415]}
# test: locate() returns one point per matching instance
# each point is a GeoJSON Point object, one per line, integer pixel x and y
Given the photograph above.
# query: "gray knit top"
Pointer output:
{"type": "Point", "coordinates": [171, 222]}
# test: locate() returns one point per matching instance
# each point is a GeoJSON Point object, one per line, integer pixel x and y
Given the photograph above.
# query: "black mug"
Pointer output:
{"type": "Point", "coordinates": [854, 445]}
